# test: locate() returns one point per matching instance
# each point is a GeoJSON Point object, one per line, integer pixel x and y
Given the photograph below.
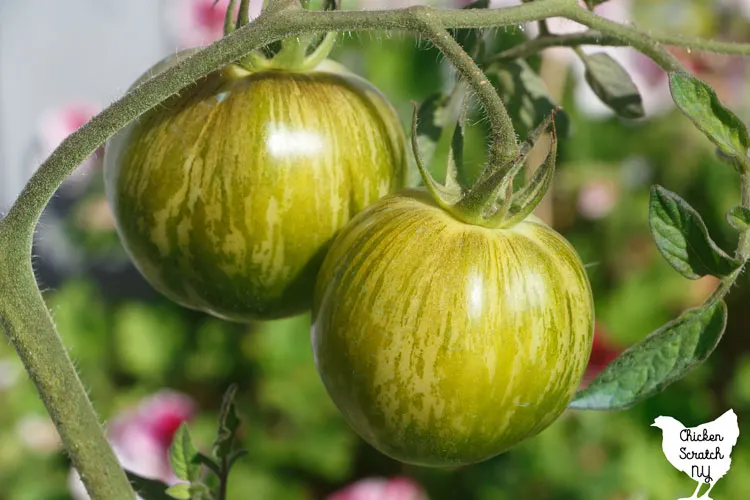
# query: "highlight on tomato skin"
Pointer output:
{"type": "Point", "coordinates": [444, 343]}
{"type": "Point", "coordinates": [227, 195]}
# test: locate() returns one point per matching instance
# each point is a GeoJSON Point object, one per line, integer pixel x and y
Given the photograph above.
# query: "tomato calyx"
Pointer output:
{"type": "Point", "coordinates": [491, 202]}
{"type": "Point", "coordinates": [302, 53]}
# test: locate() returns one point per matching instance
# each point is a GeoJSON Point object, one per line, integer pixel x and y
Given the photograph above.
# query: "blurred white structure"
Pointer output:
{"type": "Point", "coordinates": [52, 53]}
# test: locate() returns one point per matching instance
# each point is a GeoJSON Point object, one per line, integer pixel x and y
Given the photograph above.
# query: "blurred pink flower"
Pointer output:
{"type": "Point", "coordinates": [57, 124]}
{"type": "Point", "coordinates": [743, 6]}
{"type": "Point", "coordinates": [597, 198]}
{"type": "Point", "coordinates": [38, 434]}
{"type": "Point", "coordinates": [10, 373]}
{"type": "Point", "coordinates": [141, 437]}
{"type": "Point", "coordinates": [376, 488]}
{"type": "Point", "coordinates": [194, 23]}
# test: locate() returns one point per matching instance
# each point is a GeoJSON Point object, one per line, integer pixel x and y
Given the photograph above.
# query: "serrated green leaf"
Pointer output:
{"type": "Point", "coordinates": [698, 101]}
{"type": "Point", "coordinates": [148, 489]}
{"type": "Point", "coordinates": [180, 491]}
{"type": "Point", "coordinates": [662, 358]}
{"type": "Point", "coordinates": [228, 425]}
{"type": "Point", "coordinates": [683, 239]}
{"type": "Point", "coordinates": [525, 96]}
{"type": "Point", "coordinates": [739, 218]}
{"type": "Point", "coordinates": [183, 456]}
{"type": "Point", "coordinates": [613, 85]}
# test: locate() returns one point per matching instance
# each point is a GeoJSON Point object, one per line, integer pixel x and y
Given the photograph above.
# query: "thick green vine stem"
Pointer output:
{"type": "Point", "coordinates": [30, 329]}
{"type": "Point", "coordinates": [25, 318]}
{"type": "Point", "coordinates": [503, 145]}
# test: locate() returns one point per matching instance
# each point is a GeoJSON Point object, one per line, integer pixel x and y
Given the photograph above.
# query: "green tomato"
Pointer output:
{"type": "Point", "coordinates": [227, 195]}
{"type": "Point", "coordinates": [444, 343]}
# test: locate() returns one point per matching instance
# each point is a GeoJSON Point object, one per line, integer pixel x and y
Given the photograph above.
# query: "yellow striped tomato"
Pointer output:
{"type": "Point", "coordinates": [227, 195]}
{"type": "Point", "coordinates": [445, 343]}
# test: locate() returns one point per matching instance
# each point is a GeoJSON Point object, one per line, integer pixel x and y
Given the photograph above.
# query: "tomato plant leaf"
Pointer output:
{"type": "Point", "coordinates": [683, 239]}
{"type": "Point", "coordinates": [199, 491]}
{"type": "Point", "coordinates": [180, 491]}
{"type": "Point", "coordinates": [148, 489]}
{"type": "Point", "coordinates": [525, 96]}
{"type": "Point", "coordinates": [663, 357]}
{"type": "Point", "coordinates": [440, 136]}
{"type": "Point", "coordinates": [228, 425]}
{"type": "Point", "coordinates": [612, 84]}
{"type": "Point", "coordinates": [183, 456]}
{"type": "Point", "coordinates": [698, 101]}
{"type": "Point", "coordinates": [739, 218]}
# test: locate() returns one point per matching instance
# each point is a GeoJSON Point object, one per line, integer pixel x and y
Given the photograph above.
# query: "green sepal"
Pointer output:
{"type": "Point", "coordinates": [612, 84]}
{"type": "Point", "coordinates": [739, 218]}
{"type": "Point", "coordinates": [683, 239]}
{"type": "Point", "coordinates": [444, 196]}
{"type": "Point", "coordinates": [526, 199]}
{"type": "Point", "coordinates": [699, 102]}
{"type": "Point", "coordinates": [665, 356]}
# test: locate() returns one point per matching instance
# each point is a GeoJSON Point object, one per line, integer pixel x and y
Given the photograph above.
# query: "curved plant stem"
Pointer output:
{"type": "Point", "coordinates": [595, 37]}
{"type": "Point", "coordinates": [628, 34]}
{"type": "Point", "coordinates": [22, 312]}
{"type": "Point", "coordinates": [536, 45]}
{"type": "Point", "coordinates": [503, 147]}
{"type": "Point", "coordinates": [29, 328]}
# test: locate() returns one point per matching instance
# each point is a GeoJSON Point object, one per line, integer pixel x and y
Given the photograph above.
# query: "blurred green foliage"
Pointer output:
{"type": "Point", "coordinates": [129, 342]}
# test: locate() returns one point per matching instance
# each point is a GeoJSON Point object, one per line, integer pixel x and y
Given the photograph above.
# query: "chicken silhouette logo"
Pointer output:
{"type": "Point", "coordinates": [703, 452]}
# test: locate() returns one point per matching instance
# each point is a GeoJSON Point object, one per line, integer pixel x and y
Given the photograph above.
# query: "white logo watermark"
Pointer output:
{"type": "Point", "coordinates": [703, 452]}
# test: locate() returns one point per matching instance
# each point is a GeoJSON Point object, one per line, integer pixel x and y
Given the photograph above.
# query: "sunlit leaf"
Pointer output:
{"type": "Point", "coordinates": [699, 102]}
{"type": "Point", "coordinates": [180, 491]}
{"type": "Point", "coordinates": [665, 356]}
{"type": "Point", "coordinates": [739, 218]}
{"type": "Point", "coordinates": [683, 239]}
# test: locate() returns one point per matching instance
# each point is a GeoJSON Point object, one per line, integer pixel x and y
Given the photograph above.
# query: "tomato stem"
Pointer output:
{"type": "Point", "coordinates": [29, 327]}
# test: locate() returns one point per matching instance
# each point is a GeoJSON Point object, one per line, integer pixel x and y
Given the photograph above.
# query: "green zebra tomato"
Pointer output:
{"type": "Point", "coordinates": [445, 343]}
{"type": "Point", "coordinates": [227, 195]}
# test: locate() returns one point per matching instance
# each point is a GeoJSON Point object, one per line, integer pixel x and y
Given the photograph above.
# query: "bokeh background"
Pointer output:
{"type": "Point", "coordinates": [149, 364]}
